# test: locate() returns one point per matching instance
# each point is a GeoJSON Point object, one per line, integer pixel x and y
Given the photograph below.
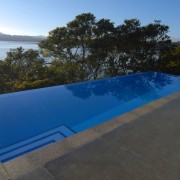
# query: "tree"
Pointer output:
{"type": "Point", "coordinates": [156, 42]}
{"type": "Point", "coordinates": [24, 65]}
{"type": "Point", "coordinates": [86, 49]}
{"type": "Point", "coordinates": [100, 48]}
{"type": "Point", "coordinates": [170, 61]}
{"type": "Point", "coordinates": [138, 48]}
{"type": "Point", "coordinates": [3, 76]}
{"type": "Point", "coordinates": [20, 66]}
{"type": "Point", "coordinates": [70, 44]}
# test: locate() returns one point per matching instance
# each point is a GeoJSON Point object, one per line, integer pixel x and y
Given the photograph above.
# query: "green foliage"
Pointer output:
{"type": "Point", "coordinates": [20, 66]}
{"type": "Point", "coordinates": [87, 48]}
{"type": "Point", "coordinates": [138, 48]}
{"type": "Point", "coordinates": [23, 65]}
{"type": "Point", "coordinates": [170, 62]}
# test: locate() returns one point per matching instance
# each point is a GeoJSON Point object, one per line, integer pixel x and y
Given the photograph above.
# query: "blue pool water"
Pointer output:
{"type": "Point", "coordinates": [34, 118]}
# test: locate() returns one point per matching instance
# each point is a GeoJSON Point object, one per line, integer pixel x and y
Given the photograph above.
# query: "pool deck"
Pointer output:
{"type": "Point", "coordinates": [142, 144]}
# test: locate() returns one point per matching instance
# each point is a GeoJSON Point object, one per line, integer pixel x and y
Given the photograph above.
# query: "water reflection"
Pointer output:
{"type": "Point", "coordinates": [123, 88]}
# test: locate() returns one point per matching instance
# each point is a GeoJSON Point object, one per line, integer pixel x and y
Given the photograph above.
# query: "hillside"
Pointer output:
{"type": "Point", "coordinates": [7, 37]}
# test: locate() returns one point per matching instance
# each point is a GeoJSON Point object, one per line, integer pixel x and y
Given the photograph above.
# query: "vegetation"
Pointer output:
{"type": "Point", "coordinates": [89, 49]}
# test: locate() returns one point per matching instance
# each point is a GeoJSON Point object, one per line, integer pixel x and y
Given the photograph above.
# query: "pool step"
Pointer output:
{"type": "Point", "coordinates": [20, 148]}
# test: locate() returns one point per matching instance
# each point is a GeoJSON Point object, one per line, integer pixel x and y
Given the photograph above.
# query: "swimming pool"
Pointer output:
{"type": "Point", "coordinates": [34, 118]}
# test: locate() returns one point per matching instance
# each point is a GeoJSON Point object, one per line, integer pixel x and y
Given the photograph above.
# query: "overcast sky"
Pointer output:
{"type": "Point", "coordinates": [38, 17]}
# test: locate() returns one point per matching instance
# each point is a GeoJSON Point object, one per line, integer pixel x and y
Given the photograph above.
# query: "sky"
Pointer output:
{"type": "Point", "coordinates": [38, 17]}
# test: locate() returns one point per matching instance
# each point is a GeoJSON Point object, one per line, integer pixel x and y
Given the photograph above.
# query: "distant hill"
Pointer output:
{"type": "Point", "coordinates": [7, 37]}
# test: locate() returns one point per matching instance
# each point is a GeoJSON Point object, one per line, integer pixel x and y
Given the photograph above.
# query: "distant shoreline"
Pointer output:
{"type": "Point", "coordinates": [21, 38]}
{"type": "Point", "coordinates": [30, 42]}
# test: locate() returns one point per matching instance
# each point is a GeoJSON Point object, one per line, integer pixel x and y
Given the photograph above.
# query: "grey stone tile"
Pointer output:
{"type": "Point", "coordinates": [2, 177]}
{"type": "Point", "coordinates": [38, 174]}
{"type": "Point", "coordinates": [147, 148]}
{"type": "Point", "coordinates": [3, 174]}
{"type": "Point", "coordinates": [18, 166]}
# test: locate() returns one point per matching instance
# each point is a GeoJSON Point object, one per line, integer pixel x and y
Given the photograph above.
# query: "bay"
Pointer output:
{"type": "Point", "coordinates": [5, 46]}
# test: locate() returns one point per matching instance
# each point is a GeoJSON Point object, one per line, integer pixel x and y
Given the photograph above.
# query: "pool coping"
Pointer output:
{"type": "Point", "coordinates": [38, 158]}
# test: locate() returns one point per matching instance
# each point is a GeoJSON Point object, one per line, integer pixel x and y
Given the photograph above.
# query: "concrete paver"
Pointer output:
{"type": "Point", "coordinates": [148, 148]}
{"type": "Point", "coordinates": [40, 174]}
